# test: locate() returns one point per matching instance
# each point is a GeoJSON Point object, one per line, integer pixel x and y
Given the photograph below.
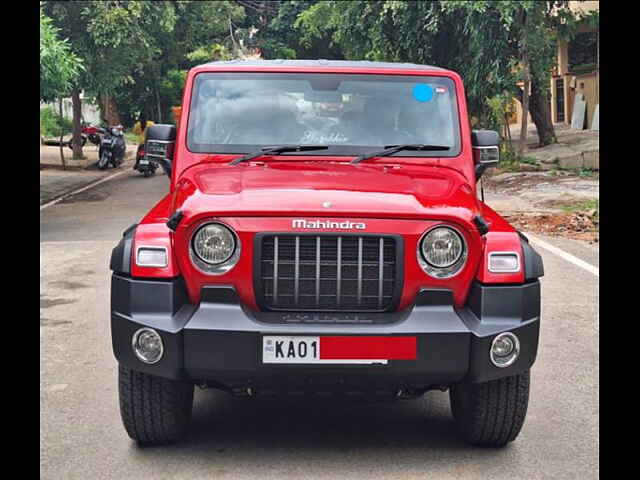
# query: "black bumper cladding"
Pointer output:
{"type": "Point", "coordinates": [220, 343]}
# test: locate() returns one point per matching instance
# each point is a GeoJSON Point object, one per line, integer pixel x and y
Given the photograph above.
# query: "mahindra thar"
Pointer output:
{"type": "Point", "coordinates": [323, 235]}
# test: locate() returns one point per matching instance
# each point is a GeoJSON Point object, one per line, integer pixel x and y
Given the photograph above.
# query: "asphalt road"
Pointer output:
{"type": "Point", "coordinates": [81, 435]}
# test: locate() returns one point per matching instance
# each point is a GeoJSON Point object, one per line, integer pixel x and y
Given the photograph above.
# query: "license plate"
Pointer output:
{"type": "Point", "coordinates": [337, 350]}
{"type": "Point", "coordinates": [144, 162]}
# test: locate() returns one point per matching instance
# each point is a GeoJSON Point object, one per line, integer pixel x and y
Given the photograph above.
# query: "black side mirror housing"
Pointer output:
{"type": "Point", "coordinates": [486, 150]}
{"type": "Point", "coordinates": [159, 146]}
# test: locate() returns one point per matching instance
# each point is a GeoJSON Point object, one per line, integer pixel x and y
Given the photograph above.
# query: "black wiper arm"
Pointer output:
{"type": "Point", "coordinates": [277, 149]}
{"type": "Point", "coordinates": [389, 149]}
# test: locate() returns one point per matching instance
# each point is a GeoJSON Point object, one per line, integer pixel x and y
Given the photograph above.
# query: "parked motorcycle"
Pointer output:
{"type": "Point", "coordinates": [146, 166]}
{"type": "Point", "coordinates": [91, 133]}
{"type": "Point", "coordinates": [112, 148]}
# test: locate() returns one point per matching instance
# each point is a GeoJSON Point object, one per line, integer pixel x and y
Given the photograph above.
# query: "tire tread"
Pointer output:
{"type": "Point", "coordinates": [491, 413]}
{"type": "Point", "coordinates": [154, 410]}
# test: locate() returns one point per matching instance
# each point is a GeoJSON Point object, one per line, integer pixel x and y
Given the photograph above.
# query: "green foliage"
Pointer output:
{"type": "Point", "coordinates": [481, 40]}
{"type": "Point", "coordinates": [171, 87]}
{"type": "Point", "coordinates": [51, 123]}
{"type": "Point", "coordinates": [59, 67]}
{"type": "Point", "coordinates": [129, 46]}
{"type": "Point", "coordinates": [209, 53]}
{"type": "Point", "coordinates": [500, 108]}
{"type": "Point", "coordinates": [418, 32]}
{"type": "Point", "coordinates": [113, 38]}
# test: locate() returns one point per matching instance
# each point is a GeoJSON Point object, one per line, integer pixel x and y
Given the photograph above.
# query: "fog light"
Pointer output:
{"type": "Point", "coordinates": [505, 349]}
{"type": "Point", "coordinates": [147, 345]}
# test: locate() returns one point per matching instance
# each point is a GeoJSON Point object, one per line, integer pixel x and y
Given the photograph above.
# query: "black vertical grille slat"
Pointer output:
{"type": "Point", "coordinates": [380, 271]}
{"type": "Point", "coordinates": [318, 259]}
{"type": "Point", "coordinates": [339, 271]}
{"type": "Point", "coordinates": [359, 271]}
{"type": "Point", "coordinates": [327, 272]}
{"type": "Point", "coordinates": [296, 275]}
{"type": "Point", "coordinates": [275, 270]}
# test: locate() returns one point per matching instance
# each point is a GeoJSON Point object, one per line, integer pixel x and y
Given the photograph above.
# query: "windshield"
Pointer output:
{"type": "Point", "coordinates": [351, 114]}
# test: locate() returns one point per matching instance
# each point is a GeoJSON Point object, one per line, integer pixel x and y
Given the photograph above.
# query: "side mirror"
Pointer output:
{"type": "Point", "coordinates": [160, 144]}
{"type": "Point", "coordinates": [486, 150]}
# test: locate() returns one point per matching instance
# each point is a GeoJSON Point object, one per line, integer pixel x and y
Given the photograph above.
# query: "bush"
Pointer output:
{"type": "Point", "coordinates": [50, 123]}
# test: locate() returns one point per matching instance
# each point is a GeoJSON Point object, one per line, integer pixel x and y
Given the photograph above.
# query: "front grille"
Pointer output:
{"type": "Point", "coordinates": [327, 272]}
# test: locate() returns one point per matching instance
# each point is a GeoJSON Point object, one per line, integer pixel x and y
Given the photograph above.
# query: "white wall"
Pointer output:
{"type": "Point", "coordinates": [90, 111]}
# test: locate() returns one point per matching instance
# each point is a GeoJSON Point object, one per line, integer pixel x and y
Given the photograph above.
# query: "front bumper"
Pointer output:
{"type": "Point", "coordinates": [218, 342]}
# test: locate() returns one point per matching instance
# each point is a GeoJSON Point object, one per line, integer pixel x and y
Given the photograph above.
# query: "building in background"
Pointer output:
{"type": "Point", "coordinates": [576, 72]}
{"type": "Point", "coordinates": [90, 111]}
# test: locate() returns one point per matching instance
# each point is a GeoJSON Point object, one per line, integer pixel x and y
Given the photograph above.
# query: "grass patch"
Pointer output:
{"type": "Point", "coordinates": [515, 165]}
{"type": "Point", "coordinates": [582, 206]}
{"type": "Point", "coordinates": [588, 173]}
{"type": "Point", "coordinates": [132, 137]}
{"type": "Point", "coordinates": [579, 172]}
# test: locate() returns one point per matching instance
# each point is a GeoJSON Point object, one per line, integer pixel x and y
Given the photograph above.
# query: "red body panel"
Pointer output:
{"type": "Point", "coordinates": [502, 237]}
{"type": "Point", "coordinates": [153, 231]}
{"type": "Point", "coordinates": [392, 195]}
{"type": "Point", "coordinates": [241, 276]}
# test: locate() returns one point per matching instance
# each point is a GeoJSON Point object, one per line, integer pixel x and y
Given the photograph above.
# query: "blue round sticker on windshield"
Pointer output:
{"type": "Point", "coordinates": [423, 92]}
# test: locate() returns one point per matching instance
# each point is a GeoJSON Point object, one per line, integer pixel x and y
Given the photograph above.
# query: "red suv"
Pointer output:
{"type": "Point", "coordinates": [323, 234]}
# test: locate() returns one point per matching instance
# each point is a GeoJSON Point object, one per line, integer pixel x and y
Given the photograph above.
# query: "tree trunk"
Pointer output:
{"type": "Point", "coordinates": [525, 94]}
{"type": "Point", "coordinates": [64, 165]}
{"type": "Point", "coordinates": [541, 114]}
{"type": "Point", "coordinates": [109, 110]}
{"type": "Point", "coordinates": [159, 107]}
{"type": "Point", "coordinates": [77, 124]}
{"type": "Point", "coordinates": [143, 119]}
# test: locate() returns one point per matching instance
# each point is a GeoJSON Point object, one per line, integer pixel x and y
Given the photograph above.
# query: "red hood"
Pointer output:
{"type": "Point", "coordinates": [326, 190]}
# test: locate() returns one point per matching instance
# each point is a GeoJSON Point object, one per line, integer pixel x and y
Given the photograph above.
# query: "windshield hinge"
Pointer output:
{"type": "Point", "coordinates": [481, 224]}
{"type": "Point", "coordinates": [174, 220]}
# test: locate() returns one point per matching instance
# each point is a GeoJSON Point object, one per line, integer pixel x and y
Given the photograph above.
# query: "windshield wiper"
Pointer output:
{"type": "Point", "coordinates": [278, 149]}
{"type": "Point", "coordinates": [389, 149]}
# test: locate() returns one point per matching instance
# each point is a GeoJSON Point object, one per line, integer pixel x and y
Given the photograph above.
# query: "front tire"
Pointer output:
{"type": "Point", "coordinates": [491, 413]}
{"type": "Point", "coordinates": [154, 410]}
{"type": "Point", "coordinates": [103, 162]}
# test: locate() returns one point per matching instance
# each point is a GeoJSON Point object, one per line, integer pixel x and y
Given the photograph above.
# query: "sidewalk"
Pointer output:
{"type": "Point", "coordinates": [55, 182]}
{"type": "Point", "coordinates": [575, 148]}
{"type": "Point", "coordinates": [50, 155]}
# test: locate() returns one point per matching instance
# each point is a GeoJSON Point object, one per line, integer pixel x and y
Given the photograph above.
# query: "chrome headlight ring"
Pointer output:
{"type": "Point", "coordinates": [214, 268]}
{"type": "Point", "coordinates": [442, 272]}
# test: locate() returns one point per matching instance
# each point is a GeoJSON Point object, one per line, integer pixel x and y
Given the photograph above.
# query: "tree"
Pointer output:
{"type": "Point", "coordinates": [200, 34]}
{"type": "Point", "coordinates": [275, 36]}
{"type": "Point", "coordinates": [530, 30]}
{"type": "Point", "coordinates": [416, 32]}
{"type": "Point", "coordinates": [59, 68]}
{"type": "Point", "coordinates": [487, 42]}
{"type": "Point", "coordinates": [112, 38]}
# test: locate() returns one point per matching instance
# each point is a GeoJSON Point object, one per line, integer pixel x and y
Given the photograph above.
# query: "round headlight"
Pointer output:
{"type": "Point", "coordinates": [442, 247]}
{"type": "Point", "coordinates": [214, 243]}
